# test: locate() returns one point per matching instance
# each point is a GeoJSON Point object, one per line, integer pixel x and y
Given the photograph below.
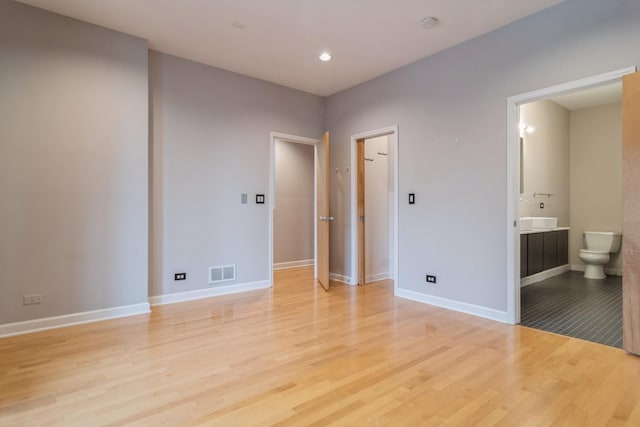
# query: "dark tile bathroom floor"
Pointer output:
{"type": "Point", "coordinates": [577, 307]}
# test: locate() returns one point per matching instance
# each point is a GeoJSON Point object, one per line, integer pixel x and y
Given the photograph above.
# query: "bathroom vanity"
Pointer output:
{"type": "Point", "coordinates": [543, 249]}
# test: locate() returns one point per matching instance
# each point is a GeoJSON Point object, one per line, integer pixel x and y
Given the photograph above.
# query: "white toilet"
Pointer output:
{"type": "Point", "coordinates": [599, 245]}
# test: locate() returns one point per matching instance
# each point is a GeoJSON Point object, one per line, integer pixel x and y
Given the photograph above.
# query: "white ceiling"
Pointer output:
{"type": "Point", "coordinates": [599, 95]}
{"type": "Point", "coordinates": [282, 39]}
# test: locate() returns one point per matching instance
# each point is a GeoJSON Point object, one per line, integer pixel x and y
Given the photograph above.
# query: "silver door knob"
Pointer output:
{"type": "Point", "coordinates": [326, 218]}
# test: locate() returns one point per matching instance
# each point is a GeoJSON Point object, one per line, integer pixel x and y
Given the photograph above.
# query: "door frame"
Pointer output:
{"type": "Point", "coordinates": [393, 131]}
{"type": "Point", "coordinates": [273, 137]}
{"type": "Point", "coordinates": [361, 277]}
{"type": "Point", "coordinates": [513, 173]}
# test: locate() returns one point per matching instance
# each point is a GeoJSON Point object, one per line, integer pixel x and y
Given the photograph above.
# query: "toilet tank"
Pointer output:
{"type": "Point", "coordinates": [606, 241]}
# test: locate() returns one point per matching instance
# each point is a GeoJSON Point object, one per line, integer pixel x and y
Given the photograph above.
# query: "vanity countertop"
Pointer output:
{"type": "Point", "coordinates": [543, 230]}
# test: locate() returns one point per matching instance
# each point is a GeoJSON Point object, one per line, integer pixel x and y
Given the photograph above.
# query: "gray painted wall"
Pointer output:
{"type": "Point", "coordinates": [294, 211]}
{"type": "Point", "coordinates": [451, 112]}
{"type": "Point", "coordinates": [73, 165]}
{"type": "Point", "coordinates": [210, 142]}
{"type": "Point", "coordinates": [73, 158]}
{"type": "Point", "coordinates": [546, 161]}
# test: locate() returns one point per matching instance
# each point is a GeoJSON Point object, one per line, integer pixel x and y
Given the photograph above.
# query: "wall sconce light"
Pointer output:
{"type": "Point", "coordinates": [525, 128]}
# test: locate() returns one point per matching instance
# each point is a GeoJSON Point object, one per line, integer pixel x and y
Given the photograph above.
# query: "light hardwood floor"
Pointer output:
{"type": "Point", "coordinates": [295, 355]}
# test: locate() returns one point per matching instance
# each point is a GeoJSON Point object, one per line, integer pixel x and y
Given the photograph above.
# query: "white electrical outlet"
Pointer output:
{"type": "Point", "coordinates": [32, 299]}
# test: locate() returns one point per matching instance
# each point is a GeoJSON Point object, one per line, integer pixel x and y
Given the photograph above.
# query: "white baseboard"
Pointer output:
{"type": "Point", "coordinates": [376, 277]}
{"type": "Point", "coordinates": [35, 325]}
{"type": "Point", "coordinates": [462, 307]}
{"type": "Point", "coordinates": [609, 271]}
{"type": "Point", "coordinates": [340, 278]}
{"type": "Point", "coordinates": [293, 264]}
{"type": "Point", "coordinates": [613, 271]}
{"type": "Point", "coordinates": [208, 292]}
{"type": "Point", "coordinates": [543, 275]}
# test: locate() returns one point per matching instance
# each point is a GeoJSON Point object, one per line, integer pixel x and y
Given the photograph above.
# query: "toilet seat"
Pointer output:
{"type": "Point", "coordinates": [594, 257]}
{"type": "Point", "coordinates": [606, 243]}
{"type": "Point", "coordinates": [589, 251]}
{"type": "Point", "coordinates": [594, 262]}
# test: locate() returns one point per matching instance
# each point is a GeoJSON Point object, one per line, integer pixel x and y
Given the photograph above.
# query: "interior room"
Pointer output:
{"type": "Point", "coordinates": [378, 209]}
{"type": "Point", "coordinates": [144, 279]}
{"type": "Point", "coordinates": [572, 155]}
{"type": "Point", "coordinates": [294, 205]}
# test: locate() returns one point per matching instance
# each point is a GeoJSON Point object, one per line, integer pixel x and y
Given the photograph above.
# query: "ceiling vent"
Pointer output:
{"type": "Point", "coordinates": [429, 22]}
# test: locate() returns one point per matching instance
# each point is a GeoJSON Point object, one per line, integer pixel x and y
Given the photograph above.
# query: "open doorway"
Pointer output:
{"type": "Point", "coordinates": [374, 205]}
{"type": "Point", "coordinates": [571, 166]}
{"type": "Point", "coordinates": [293, 213]}
{"type": "Point", "coordinates": [560, 140]}
{"type": "Point", "coordinates": [378, 192]}
{"type": "Point", "coordinates": [293, 203]}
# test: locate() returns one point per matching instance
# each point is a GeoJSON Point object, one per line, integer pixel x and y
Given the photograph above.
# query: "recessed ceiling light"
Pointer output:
{"type": "Point", "coordinates": [325, 56]}
{"type": "Point", "coordinates": [429, 22]}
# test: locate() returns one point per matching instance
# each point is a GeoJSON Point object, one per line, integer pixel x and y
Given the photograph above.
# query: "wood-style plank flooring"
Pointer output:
{"type": "Point", "coordinates": [295, 355]}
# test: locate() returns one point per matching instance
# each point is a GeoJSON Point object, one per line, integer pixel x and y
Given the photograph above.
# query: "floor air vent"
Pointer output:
{"type": "Point", "coordinates": [222, 273]}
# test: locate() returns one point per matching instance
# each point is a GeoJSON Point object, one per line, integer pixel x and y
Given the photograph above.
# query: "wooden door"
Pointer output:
{"type": "Point", "coordinates": [631, 213]}
{"type": "Point", "coordinates": [361, 213]}
{"type": "Point", "coordinates": [324, 218]}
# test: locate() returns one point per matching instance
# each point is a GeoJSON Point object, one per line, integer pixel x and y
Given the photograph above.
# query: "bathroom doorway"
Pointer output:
{"type": "Point", "coordinates": [566, 179]}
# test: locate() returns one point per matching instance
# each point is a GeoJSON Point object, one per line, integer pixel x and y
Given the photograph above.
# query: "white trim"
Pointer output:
{"type": "Point", "coordinates": [375, 277]}
{"type": "Point", "coordinates": [294, 138]}
{"type": "Point", "coordinates": [393, 131]}
{"type": "Point", "coordinates": [340, 278]}
{"type": "Point", "coordinates": [513, 194]}
{"type": "Point", "coordinates": [563, 88]}
{"type": "Point", "coordinates": [577, 267]}
{"type": "Point", "coordinates": [613, 271]}
{"type": "Point", "coordinates": [607, 271]}
{"type": "Point", "coordinates": [544, 275]}
{"type": "Point", "coordinates": [273, 136]}
{"type": "Point", "coordinates": [293, 264]}
{"type": "Point", "coordinates": [43, 324]}
{"type": "Point", "coordinates": [513, 174]}
{"type": "Point", "coordinates": [315, 210]}
{"type": "Point", "coordinates": [208, 292]}
{"type": "Point", "coordinates": [462, 307]}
